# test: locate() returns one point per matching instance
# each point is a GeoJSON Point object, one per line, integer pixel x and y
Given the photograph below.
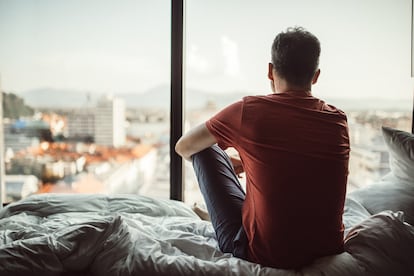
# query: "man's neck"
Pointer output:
{"type": "Point", "coordinates": [283, 86]}
{"type": "Point", "coordinates": [287, 88]}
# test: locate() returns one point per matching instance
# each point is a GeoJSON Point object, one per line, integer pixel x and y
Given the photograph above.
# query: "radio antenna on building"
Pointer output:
{"type": "Point", "coordinates": [88, 97]}
{"type": "Point", "coordinates": [88, 103]}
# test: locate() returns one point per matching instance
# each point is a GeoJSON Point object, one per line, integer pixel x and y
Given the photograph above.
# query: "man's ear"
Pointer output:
{"type": "Point", "coordinates": [316, 76]}
{"type": "Point", "coordinates": [270, 71]}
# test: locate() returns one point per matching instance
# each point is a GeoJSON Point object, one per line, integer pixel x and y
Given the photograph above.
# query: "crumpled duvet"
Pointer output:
{"type": "Point", "coordinates": [64, 234]}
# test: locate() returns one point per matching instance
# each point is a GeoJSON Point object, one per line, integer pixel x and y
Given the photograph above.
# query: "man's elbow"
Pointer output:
{"type": "Point", "coordinates": [182, 150]}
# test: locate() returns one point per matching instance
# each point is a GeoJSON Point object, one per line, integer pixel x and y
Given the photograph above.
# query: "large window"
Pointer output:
{"type": "Point", "coordinates": [86, 89]}
{"type": "Point", "coordinates": [87, 83]}
{"type": "Point", "coordinates": [365, 65]}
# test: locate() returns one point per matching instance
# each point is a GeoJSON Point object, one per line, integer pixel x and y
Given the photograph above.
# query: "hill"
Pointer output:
{"type": "Point", "coordinates": [159, 97]}
{"type": "Point", "coordinates": [15, 107]}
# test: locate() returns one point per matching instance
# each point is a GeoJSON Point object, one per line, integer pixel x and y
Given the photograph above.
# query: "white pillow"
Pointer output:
{"type": "Point", "coordinates": [400, 146]}
{"type": "Point", "coordinates": [396, 190]}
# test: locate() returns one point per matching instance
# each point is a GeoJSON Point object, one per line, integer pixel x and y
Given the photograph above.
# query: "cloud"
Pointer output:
{"type": "Point", "coordinates": [196, 61]}
{"type": "Point", "coordinates": [230, 51]}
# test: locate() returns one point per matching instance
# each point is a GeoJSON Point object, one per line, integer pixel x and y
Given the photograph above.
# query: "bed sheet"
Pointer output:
{"type": "Point", "coordinates": [125, 235]}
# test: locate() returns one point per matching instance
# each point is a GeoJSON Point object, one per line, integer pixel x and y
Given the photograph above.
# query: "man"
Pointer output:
{"type": "Point", "coordinates": [294, 149]}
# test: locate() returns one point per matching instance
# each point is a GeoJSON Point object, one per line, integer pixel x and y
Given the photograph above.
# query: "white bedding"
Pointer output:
{"type": "Point", "coordinates": [135, 235]}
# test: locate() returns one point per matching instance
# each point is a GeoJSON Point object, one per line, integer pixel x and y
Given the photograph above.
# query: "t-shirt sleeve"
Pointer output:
{"type": "Point", "coordinates": [225, 125]}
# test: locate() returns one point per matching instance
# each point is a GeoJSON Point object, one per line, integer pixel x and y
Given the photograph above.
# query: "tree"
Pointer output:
{"type": "Point", "coordinates": [14, 106]}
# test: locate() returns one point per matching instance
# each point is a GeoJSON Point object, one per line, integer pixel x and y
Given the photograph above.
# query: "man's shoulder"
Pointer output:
{"type": "Point", "coordinates": [257, 98]}
{"type": "Point", "coordinates": [333, 109]}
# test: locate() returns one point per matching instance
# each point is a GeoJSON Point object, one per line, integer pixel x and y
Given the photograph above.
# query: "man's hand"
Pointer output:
{"type": "Point", "coordinates": [237, 165]}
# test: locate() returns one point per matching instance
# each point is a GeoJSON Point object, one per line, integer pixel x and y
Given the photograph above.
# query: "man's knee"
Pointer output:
{"type": "Point", "coordinates": [210, 151]}
{"type": "Point", "coordinates": [209, 155]}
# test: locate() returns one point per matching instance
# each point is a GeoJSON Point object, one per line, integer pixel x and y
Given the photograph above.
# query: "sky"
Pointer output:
{"type": "Point", "coordinates": [108, 46]}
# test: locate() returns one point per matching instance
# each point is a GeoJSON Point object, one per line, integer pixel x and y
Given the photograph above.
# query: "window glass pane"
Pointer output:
{"type": "Point", "coordinates": [365, 65]}
{"type": "Point", "coordinates": [86, 96]}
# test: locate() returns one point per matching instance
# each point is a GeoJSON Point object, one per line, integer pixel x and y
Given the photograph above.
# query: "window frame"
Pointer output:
{"type": "Point", "coordinates": [177, 99]}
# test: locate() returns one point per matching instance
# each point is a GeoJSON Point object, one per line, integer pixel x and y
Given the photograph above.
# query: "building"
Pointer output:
{"type": "Point", "coordinates": [20, 186]}
{"type": "Point", "coordinates": [17, 136]}
{"type": "Point", "coordinates": [367, 164]}
{"type": "Point", "coordinates": [110, 122]}
{"type": "Point", "coordinates": [369, 158]}
{"type": "Point", "coordinates": [81, 124]}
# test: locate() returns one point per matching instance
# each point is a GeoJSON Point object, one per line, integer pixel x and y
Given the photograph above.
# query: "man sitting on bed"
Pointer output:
{"type": "Point", "coordinates": [294, 149]}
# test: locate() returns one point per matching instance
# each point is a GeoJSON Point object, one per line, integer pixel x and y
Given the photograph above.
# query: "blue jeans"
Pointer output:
{"type": "Point", "coordinates": [224, 198]}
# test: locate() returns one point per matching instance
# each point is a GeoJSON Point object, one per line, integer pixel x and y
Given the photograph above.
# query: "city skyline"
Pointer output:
{"type": "Point", "coordinates": [123, 47]}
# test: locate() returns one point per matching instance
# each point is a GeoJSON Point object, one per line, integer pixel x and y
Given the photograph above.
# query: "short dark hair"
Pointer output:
{"type": "Point", "coordinates": [295, 55]}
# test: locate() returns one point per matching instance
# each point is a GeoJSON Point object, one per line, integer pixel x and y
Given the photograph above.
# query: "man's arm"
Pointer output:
{"type": "Point", "coordinates": [194, 141]}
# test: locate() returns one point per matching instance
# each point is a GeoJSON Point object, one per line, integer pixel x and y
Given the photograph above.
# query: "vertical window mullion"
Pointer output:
{"type": "Point", "coordinates": [176, 112]}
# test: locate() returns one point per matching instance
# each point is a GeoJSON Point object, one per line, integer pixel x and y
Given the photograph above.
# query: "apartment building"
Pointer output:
{"type": "Point", "coordinates": [110, 122]}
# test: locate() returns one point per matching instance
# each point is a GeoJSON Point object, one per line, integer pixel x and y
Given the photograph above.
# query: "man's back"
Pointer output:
{"type": "Point", "coordinates": [294, 149]}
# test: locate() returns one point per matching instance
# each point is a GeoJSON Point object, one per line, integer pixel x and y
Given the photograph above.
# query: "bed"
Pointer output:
{"type": "Point", "coordinates": [66, 234]}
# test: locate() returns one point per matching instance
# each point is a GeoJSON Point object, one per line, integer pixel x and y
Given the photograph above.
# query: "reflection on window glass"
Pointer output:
{"type": "Point", "coordinates": [365, 66]}
{"type": "Point", "coordinates": [85, 96]}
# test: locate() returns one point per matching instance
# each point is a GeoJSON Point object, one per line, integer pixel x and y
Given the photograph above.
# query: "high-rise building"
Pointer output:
{"type": "Point", "coordinates": [110, 122]}
{"type": "Point", "coordinates": [81, 124]}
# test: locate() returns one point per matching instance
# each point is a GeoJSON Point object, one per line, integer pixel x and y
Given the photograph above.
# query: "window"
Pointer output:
{"type": "Point", "coordinates": [72, 68]}
{"type": "Point", "coordinates": [365, 64]}
{"type": "Point", "coordinates": [90, 82]}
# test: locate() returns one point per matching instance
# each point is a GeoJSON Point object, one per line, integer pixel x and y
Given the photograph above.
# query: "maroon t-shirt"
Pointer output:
{"type": "Point", "coordinates": [295, 151]}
